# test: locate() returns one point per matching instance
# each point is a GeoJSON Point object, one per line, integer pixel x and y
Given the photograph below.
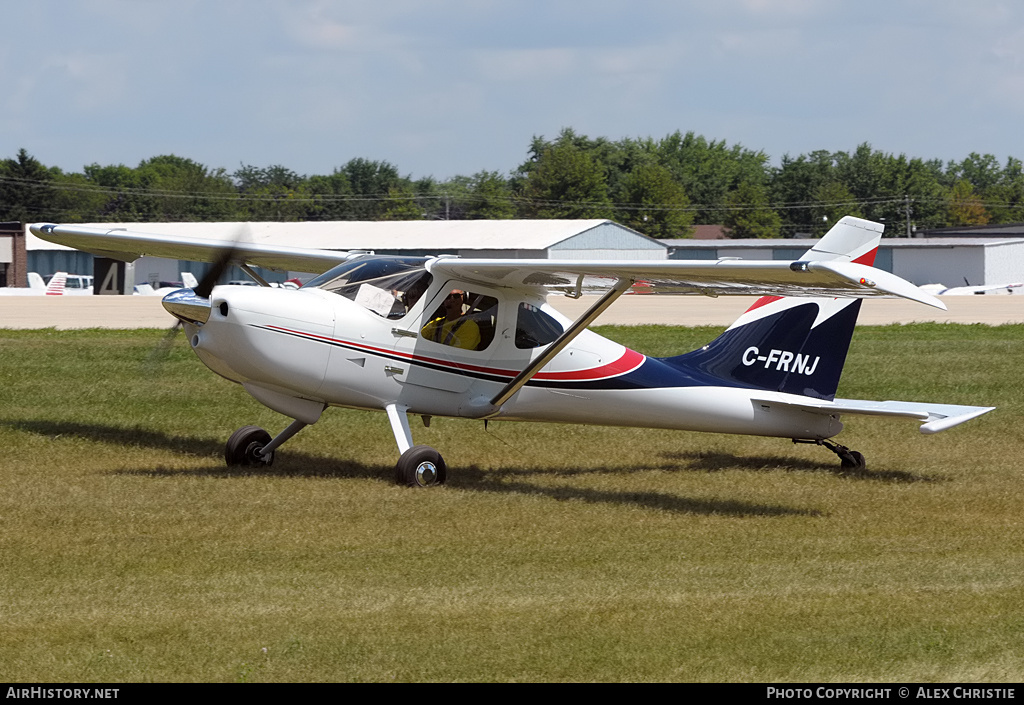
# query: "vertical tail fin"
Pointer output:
{"type": "Point", "coordinates": [36, 283]}
{"type": "Point", "coordinates": [56, 285]}
{"type": "Point", "coordinates": [793, 344]}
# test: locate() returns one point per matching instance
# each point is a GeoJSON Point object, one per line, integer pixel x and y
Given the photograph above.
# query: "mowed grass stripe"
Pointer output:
{"type": "Point", "coordinates": [129, 552]}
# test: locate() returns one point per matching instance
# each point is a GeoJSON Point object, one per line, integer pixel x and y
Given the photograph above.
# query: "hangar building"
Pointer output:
{"type": "Point", "coordinates": [935, 260]}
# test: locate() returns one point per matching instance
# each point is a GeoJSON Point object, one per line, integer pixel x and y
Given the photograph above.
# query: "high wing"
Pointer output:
{"type": "Point", "coordinates": [833, 277]}
{"type": "Point", "coordinates": [127, 246]}
{"type": "Point", "coordinates": [707, 277]}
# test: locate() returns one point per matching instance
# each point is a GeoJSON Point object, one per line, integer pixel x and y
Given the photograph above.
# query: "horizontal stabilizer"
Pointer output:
{"type": "Point", "coordinates": [935, 417]}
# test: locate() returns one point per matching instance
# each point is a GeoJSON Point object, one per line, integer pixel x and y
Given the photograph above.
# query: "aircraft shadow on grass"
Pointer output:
{"type": "Point", "coordinates": [297, 464]}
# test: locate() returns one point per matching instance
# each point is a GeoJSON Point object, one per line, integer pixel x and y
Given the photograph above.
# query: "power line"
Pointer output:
{"type": "Point", "coordinates": [515, 200]}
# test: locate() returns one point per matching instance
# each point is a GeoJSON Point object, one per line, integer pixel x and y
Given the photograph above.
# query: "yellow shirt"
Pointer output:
{"type": "Point", "coordinates": [460, 332]}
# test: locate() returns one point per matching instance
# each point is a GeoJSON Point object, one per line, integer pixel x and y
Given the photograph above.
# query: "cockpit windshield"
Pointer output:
{"type": "Point", "coordinates": [387, 286]}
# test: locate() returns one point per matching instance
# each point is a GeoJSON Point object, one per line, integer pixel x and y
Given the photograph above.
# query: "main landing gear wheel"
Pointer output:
{"type": "Point", "coordinates": [244, 445]}
{"type": "Point", "coordinates": [421, 466]}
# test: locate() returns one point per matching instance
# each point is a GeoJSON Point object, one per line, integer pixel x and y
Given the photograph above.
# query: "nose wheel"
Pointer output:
{"type": "Point", "coordinates": [245, 446]}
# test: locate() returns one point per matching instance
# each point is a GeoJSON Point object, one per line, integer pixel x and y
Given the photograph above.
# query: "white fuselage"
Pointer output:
{"type": "Point", "coordinates": [317, 346]}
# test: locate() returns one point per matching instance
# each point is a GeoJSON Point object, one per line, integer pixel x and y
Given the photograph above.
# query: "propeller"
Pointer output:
{"type": "Point", "coordinates": [224, 260]}
{"type": "Point", "coordinates": [220, 265]}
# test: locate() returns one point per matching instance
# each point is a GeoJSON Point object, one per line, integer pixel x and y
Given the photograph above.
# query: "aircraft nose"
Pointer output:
{"type": "Point", "coordinates": [187, 306]}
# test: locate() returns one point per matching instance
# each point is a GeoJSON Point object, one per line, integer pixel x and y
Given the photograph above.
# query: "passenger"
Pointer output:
{"type": "Point", "coordinates": [415, 291]}
{"type": "Point", "coordinates": [453, 328]}
{"type": "Point", "coordinates": [405, 300]}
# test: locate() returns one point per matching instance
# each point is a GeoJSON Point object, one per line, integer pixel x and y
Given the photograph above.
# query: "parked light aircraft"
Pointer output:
{"type": "Point", "coordinates": [60, 284]}
{"type": "Point", "coordinates": [187, 278]}
{"type": "Point", "coordinates": [968, 290]}
{"type": "Point", "coordinates": [64, 284]}
{"type": "Point", "coordinates": [357, 336]}
{"type": "Point", "coordinates": [36, 287]}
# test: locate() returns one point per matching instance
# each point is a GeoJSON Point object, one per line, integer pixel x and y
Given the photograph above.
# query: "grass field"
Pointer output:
{"type": "Point", "coordinates": [129, 552]}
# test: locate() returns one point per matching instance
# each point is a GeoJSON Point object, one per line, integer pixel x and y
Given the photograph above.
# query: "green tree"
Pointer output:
{"type": "Point", "coordinates": [617, 160]}
{"type": "Point", "coordinates": [402, 205]}
{"type": "Point", "coordinates": [485, 195]}
{"type": "Point", "coordinates": [181, 189]}
{"type": "Point", "coordinates": [980, 170]}
{"type": "Point", "coordinates": [922, 184]}
{"type": "Point", "coordinates": [272, 193]}
{"type": "Point", "coordinates": [966, 208]}
{"type": "Point", "coordinates": [489, 197]}
{"type": "Point", "coordinates": [371, 184]}
{"type": "Point", "coordinates": [709, 171]}
{"type": "Point", "coordinates": [122, 197]}
{"type": "Point", "coordinates": [652, 203]}
{"type": "Point", "coordinates": [882, 182]}
{"type": "Point", "coordinates": [75, 200]}
{"type": "Point", "coordinates": [748, 213]}
{"type": "Point", "coordinates": [1005, 200]}
{"type": "Point", "coordinates": [832, 201]}
{"type": "Point", "coordinates": [331, 196]}
{"type": "Point", "coordinates": [565, 182]}
{"type": "Point", "coordinates": [793, 187]}
{"type": "Point", "coordinates": [26, 189]}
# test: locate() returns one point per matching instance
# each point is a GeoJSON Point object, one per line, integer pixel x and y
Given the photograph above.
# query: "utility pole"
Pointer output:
{"type": "Point", "coordinates": [906, 202]}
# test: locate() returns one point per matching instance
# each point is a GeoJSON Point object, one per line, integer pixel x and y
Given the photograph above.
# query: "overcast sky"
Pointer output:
{"type": "Point", "coordinates": [450, 87]}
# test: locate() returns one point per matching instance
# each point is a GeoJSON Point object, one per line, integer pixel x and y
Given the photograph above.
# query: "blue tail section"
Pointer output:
{"type": "Point", "coordinates": [789, 344]}
{"type": "Point", "coordinates": [782, 351]}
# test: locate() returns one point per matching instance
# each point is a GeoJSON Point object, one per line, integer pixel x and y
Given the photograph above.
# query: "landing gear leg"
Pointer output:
{"type": "Point", "coordinates": [849, 460]}
{"type": "Point", "coordinates": [419, 466]}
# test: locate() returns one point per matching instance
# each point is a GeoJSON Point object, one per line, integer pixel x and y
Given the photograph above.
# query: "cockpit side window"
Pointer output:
{"type": "Point", "coordinates": [387, 286]}
{"type": "Point", "coordinates": [535, 328]}
{"type": "Point", "coordinates": [465, 319]}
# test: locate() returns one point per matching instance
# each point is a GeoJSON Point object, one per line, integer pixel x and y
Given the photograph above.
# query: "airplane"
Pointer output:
{"type": "Point", "coordinates": [354, 336]}
{"type": "Point", "coordinates": [188, 279]}
{"type": "Point", "coordinates": [60, 284]}
{"type": "Point", "coordinates": [64, 284]}
{"type": "Point", "coordinates": [36, 287]}
{"type": "Point", "coordinates": [968, 290]}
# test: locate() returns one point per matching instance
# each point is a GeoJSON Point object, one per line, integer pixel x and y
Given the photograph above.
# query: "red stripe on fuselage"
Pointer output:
{"type": "Point", "coordinates": [629, 361]}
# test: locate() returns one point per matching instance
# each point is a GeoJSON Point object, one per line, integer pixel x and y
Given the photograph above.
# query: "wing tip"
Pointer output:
{"type": "Point", "coordinates": [945, 422]}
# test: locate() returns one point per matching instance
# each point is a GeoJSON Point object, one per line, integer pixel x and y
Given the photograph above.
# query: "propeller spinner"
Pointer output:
{"type": "Point", "coordinates": [193, 305]}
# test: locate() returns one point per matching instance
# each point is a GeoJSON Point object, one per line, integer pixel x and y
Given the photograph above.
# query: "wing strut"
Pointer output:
{"type": "Point", "coordinates": [621, 285]}
{"type": "Point", "coordinates": [252, 274]}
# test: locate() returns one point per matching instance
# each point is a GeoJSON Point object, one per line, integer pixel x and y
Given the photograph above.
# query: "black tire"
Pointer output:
{"type": "Point", "coordinates": [853, 461]}
{"type": "Point", "coordinates": [421, 466]}
{"type": "Point", "coordinates": [243, 445]}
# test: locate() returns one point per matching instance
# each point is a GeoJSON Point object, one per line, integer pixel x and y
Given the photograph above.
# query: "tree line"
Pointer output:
{"type": "Point", "coordinates": [658, 187]}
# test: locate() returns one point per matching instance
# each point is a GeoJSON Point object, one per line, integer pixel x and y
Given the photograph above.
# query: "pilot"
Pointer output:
{"type": "Point", "coordinates": [453, 328]}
